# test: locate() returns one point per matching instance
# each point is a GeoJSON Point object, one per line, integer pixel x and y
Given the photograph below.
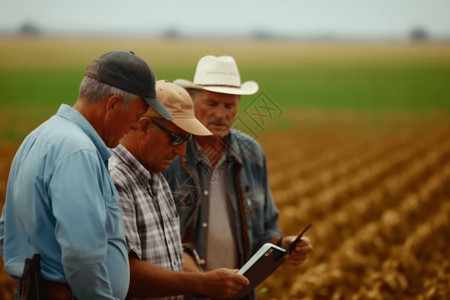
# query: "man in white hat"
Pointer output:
{"type": "Point", "coordinates": [220, 186]}
{"type": "Point", "coordinates": [151, 222]}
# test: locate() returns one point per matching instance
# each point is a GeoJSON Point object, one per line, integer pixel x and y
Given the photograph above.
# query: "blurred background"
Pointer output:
{"type": "Point", "coordinates": [295, 19]}
{"type": "Point", "coordinates": [354, 93]}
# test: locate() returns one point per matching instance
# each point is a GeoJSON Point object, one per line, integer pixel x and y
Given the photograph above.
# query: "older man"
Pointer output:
{"type": "Point", "coordinates": [60, 200]}
{"type": "Point", "coordinates": [151, 221]}
{"type": "Point", "coordinates": [221, 184]}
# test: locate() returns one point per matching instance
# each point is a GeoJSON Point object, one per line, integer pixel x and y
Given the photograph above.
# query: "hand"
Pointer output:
{"type": "Point", "coordinates": [300, 252]}
{"type": "Point", "coordinates": [223, 283]}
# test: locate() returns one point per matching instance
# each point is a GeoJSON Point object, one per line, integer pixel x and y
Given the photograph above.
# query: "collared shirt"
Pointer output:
{"type": "Point", "coordinates": [152, 227]}
{"type": "Point", "coordinates": [253, 210]}
{"type": "Point", "coordinates": [61, 203]}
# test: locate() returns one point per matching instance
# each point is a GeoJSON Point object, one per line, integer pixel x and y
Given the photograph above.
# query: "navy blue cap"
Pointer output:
{"type": "Point", "coordinates": [127, 71]}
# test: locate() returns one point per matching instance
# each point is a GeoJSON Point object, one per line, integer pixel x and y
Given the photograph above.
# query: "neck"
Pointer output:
{"type": "Point", "coordinates": [92, 113]}
{"type": "Point", "coordinates": [131, 142]}
{"type": "Point", "coordinates": [212, 146]}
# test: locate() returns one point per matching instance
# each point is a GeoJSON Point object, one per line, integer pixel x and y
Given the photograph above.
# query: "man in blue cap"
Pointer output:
{"type": "Point", "coordinates": [60, 200]}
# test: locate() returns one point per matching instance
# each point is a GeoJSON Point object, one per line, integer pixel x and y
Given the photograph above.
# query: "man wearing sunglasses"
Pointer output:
{"type": "Point", "coordinates": [151, 222]}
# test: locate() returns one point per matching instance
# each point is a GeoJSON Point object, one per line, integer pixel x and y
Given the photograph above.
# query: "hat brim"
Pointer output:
{"type": "Point", "coordinates": [159, 108]}
{"type": "Point", "coordinates": [246, 88]}
{"type": "Point", "coordinates": [191, 125]}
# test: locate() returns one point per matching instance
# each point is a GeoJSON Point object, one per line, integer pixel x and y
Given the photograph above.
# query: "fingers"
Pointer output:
{"type": "Point", "coordinates": [304, 245]}
{"type": "Point", "coordinates": [236, 284]}
{"type": "Point", "coordinates": [295, 260]}
{"type": "Point", "coordinates": [300, 252]}
{"type": "Point", "coordinates": [237, 278]}
{"type": "Point", "coordinates": [224, 283]}
{"type": "Point", "coordinates": [242, 280]}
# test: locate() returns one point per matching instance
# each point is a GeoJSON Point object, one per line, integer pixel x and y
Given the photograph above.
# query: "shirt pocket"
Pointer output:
{"type": "Point", "coordinates": [255, 208]}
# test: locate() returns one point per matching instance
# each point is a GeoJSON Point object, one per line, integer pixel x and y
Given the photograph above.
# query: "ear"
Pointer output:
{"type": "Point", "coordinates": [145, 123]}
{"type": "Point", "coordinates": [113, 102]}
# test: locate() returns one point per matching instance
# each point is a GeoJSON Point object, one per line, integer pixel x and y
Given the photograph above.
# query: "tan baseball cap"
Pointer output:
{"type": "Point", "coordinates": [180, 105]}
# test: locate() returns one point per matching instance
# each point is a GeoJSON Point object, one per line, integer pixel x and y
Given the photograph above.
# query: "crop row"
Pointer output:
{"type": "Point", "coordinates": [380, 210]}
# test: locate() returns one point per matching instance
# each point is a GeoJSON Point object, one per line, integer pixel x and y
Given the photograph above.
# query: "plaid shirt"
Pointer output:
{"type": "Point", "coordinates": [152, 226]}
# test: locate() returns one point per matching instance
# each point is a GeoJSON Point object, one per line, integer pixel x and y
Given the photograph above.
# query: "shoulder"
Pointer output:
{"type": "Point", "coordinates": [57, 140]}
{"type": "Point", "coordinates": [246, 144]}
{"type": "Point", "coordinates": [175, 171]}
{"type": "Point", "coordinates": [63, 132]}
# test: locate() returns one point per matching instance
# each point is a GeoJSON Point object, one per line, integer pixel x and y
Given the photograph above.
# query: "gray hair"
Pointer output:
{"type": "Point", "coordinates": [193, 93]}
{"type": "Point", "coordinates": [94, 91]}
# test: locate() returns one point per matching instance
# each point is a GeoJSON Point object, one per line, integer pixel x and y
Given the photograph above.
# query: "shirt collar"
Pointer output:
{"type": "Point", "coordinates": [205, 159]}
{"type": "Point", "coordinates": [68, 113]}
{"type": "Point", "coordinates": [232, 151]}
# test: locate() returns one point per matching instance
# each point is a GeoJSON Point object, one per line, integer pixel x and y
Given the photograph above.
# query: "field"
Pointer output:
{"type": "Point", "coordinates": [380, 203]}
{"type": "Point", "coordinates": [356, 137]}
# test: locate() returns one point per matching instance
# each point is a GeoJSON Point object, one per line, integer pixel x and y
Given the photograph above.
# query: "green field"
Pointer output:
{"type": "Point", "coordinates": [39, 73]}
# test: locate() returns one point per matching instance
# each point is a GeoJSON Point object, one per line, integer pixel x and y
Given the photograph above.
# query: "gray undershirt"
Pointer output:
{"type": "Point", "coordinates": [221, 249]}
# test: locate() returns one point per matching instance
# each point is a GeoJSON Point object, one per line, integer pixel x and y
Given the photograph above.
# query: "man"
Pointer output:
{"type": "Point", "coordinates": [221, 185]}
{"type": "Point", "coordinates": [151, 222]}
{"type": "Point", "coordinates": [60, 200]}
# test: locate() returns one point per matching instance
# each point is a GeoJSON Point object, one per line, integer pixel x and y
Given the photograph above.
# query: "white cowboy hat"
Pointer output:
{"type": "Point", "coordinates": [219, 74]}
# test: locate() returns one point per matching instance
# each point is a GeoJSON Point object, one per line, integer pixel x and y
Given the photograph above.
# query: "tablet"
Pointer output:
{"type": "Point", "coordinates": [264, 262]}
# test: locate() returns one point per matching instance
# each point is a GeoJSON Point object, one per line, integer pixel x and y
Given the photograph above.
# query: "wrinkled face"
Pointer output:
{"type": "Point", "coordinates": [156, 150]}
{"type": "Point", "coordinates": [216, 111]}
{"type": "Point", "coordinates": [122, 119]}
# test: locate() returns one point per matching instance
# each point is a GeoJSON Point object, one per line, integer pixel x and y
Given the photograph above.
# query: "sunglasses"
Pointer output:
{"type": "Point", "coordinates": [174, 139]}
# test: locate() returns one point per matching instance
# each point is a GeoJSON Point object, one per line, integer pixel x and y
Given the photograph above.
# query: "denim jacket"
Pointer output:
{"type": "Point", "coordinates": [251, 203]}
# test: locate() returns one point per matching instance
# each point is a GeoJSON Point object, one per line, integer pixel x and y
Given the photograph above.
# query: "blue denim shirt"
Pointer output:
{"type": "Point", "coordinates": [253, 209]}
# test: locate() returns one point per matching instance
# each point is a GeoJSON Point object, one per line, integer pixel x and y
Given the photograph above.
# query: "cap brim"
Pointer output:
{"type": "Point", "coordinates": [247, 88]}
{"type": "Point", "coordinates": [192, 125]}
{"type": "Point", "coordinates": [159, 108]}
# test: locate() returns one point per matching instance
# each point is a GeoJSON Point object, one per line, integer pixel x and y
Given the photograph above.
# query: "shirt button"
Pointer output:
{"type": "Point", "coordinates": [204, 224]}
{"type": "Point", "coordinates": [206, 192]}
{"type": "Point", "coordinates": [202, 261]}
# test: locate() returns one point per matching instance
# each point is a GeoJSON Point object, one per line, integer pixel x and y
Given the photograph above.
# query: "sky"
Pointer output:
{"type": "Point", "coordinates": [289, 18]}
